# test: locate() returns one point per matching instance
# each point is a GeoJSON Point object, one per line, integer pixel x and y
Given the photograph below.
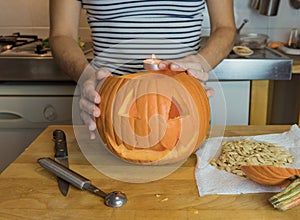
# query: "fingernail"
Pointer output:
{"type": "Point", "coordinates": [96, 112]}
{"type": "Point", "coordinates": [92, 126]}
{"type": "Point", "coordinates": [162, 65]}
{"type": "Point", "coordinates": [97, 99]}
{"type": "Point", "coordinates": [174, 66]}
{"type": "Point", "coordinates": [92, 136]}
{"type": "Point", "coordinates": [107, 73]}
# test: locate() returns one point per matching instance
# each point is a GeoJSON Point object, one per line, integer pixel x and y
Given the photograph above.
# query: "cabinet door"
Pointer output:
{"type": "Point", "coordinates": [230, 104]}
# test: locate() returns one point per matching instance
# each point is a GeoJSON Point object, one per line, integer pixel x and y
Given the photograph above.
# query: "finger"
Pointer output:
{"type": "Point", "coordinates": [89, 107]}
{"type": "Point", "coordinates": [178, 66]}
{"type": "Point", "coordinates": [90, 123]}
{"type": "Point", "coordinates": [89, 92]}
{"type": "Point", "coordinates": [183, 65]}
{"type": "Point", "coordinates": [88, 120]}
{"type": "Point", "coordinates": [164, 65]}
{"type": "Point", "coordinates": [102, 73]}
{"type": "Point", "coordinates": [198, 74]}
{"type": "Point", "coordinates": [92, 135]}
{"type": "Point", "coordinates": [210, 92]}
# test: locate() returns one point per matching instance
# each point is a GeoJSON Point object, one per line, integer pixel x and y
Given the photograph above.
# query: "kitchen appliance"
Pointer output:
{"type": "Point", "coordinates": [19, 43]}
{"type": "Point", "coordinates": [34, 93]}
{"type": "Point", "coordinates": [26, 109]}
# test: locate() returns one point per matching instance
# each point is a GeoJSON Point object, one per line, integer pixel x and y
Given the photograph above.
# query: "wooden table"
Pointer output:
{"type": "Point", "coordinates": [28, 191]}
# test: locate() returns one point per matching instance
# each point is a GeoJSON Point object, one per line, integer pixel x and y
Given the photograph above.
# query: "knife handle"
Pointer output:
{"type": "Point", "coordinates": [60, 143]}
{"type": "Point", "coordinates": [63, 172]}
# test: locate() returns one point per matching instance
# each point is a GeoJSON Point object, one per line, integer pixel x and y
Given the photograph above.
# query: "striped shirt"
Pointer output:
{"type": "Point", "coordinates": [124, 32]}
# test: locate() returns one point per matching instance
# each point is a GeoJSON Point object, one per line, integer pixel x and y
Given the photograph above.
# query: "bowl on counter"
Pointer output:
{"type": "Point", "coordinates": [253, 40]}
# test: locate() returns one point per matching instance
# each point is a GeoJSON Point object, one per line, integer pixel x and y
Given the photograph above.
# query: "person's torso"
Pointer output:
{"type": "Point", "coordinates": [127, 32]}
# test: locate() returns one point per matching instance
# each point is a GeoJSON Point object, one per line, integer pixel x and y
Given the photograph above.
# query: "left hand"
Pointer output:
{"type": "Point", "coordinates": [90, 98]}
{"type": "Point", "coordinates": [193, 65]}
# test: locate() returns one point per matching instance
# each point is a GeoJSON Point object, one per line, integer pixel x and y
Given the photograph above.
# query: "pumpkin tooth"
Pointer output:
{"type": "Point", "coordinates": [171, 136]}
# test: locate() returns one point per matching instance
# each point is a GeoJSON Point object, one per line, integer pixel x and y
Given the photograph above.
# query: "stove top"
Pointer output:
{"type": "Point", "coordinates": [27, 58]}
{"type": "Point", "coordinates": [19, 45]}
{"type": "Point", "coordinates": [23, 45]}
{"type": "Point", "coordinates": [33, 49]}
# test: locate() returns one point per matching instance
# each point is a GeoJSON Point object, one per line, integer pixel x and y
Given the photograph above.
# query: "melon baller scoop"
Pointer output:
{"type": "Point", "coordinates": [112, 199]}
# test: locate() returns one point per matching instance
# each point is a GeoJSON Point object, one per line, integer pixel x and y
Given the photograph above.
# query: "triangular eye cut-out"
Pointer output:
{"type": "Point", "coordinates": [174, 112]}
{"type": "Point", "coordinates": [178, 107]}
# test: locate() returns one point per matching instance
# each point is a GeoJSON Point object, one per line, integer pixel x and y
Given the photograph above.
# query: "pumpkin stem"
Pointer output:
{"type": "Point", "coordinates": [288, 198]}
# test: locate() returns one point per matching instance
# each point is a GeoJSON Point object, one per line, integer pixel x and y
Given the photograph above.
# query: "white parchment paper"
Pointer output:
{"type": "Point", "coordinates": [210, 180]}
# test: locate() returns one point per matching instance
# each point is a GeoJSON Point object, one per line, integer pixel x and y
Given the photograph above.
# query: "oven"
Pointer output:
{"type": "Point", "coordinates": [34, 94]}
{"type": "Point", "coordinates": [26, 109]}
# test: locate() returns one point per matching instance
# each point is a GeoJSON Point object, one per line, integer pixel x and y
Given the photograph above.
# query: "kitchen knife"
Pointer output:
{"type": "Point", "coordinates": [61, 156]}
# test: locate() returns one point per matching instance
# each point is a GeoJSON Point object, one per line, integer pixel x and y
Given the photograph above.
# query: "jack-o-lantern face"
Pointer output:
{"type": "Point", "coordinates": [157, 105]}
{"type": "Point", "coordinates": [153, 117]}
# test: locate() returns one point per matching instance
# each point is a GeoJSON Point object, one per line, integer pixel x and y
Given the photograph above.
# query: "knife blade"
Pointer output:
{"type": "Point", "coordinates": [61, 156]}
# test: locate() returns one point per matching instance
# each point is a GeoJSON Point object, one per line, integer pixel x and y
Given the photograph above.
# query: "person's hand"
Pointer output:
{"type": "Point", "coordinates": [194, 65]}
{"type": "Point", "coordinates": [90, 97]}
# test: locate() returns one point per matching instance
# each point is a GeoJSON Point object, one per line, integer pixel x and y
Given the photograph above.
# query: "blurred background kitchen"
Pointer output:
{"type": "Point", "coordinates": [31, 17]}
{"type": "Point", "coordinates": [247, 101]}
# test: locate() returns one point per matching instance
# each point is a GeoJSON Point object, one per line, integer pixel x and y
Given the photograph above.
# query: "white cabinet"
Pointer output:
{"type": "Point", "coordinates": [26, 110]}
{"type": "Point", "coordinates": [230, 104]}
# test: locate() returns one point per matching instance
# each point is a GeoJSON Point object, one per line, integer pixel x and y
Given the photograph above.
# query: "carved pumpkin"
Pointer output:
{"type": "Point", "coordinates": [269, 175]}
{"type": "Point", "coordinates": [153, 117]}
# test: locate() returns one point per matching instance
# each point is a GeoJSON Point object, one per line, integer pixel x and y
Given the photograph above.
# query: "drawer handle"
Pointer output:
{"type": "Point", "coordinates": [9, 116]}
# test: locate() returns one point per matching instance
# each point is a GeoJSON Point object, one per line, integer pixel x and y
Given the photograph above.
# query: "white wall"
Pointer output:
{"type": "Point", "coordinates": [277, 27]}
{"type": "Point", "coordinates": [32, 17]}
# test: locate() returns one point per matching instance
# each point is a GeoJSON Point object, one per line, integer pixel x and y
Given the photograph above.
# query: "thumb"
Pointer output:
{"type": "Point", "coordinates": [102, 73]}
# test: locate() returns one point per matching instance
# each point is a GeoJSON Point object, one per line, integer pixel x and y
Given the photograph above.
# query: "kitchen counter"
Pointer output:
{"type": "Point", "coordinates": [28, 191]}
{"type": "Point", "coordinates": [262, 96]}
{"type": "Point", "coordinates": [296, 64]}
{"type": "Point", "coordinates": [267, 64]}
{"type": "Point", "coordinates": [264, 64]}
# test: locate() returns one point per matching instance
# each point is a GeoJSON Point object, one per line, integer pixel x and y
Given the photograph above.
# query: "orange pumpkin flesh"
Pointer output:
{"type": "Point", "coordinates": [139, 115]}
{"type": "Point", "coordinates": [169, 112]}
{"type": "Point", "coordinates": [269, 175]}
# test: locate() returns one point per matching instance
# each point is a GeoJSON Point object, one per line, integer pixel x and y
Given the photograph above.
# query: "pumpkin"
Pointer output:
{"type": "Point", "coordinates": [154, 117]}
{"type": "Point", "coordinates": [269, 175]}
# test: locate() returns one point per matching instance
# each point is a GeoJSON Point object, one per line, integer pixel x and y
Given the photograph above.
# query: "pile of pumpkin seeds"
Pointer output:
{"type": "Point", "coordinates": [237, 153]}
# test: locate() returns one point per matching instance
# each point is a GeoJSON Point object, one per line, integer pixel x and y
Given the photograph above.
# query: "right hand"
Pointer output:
{"type": "Point", "coordinates": [193, 65]}
{"type": "Point", "coordinates": [90, 98]}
